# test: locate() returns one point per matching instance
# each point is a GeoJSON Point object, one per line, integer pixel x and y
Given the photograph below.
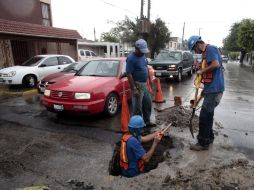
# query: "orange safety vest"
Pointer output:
{"type": "Point", "coordinates": [123, 154]}
{"type": "Point", "coordinates": [207, 77]}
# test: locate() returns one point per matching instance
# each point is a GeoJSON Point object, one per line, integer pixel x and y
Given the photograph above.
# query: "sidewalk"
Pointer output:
{"type": "Point", "coordinates": [6, 91]}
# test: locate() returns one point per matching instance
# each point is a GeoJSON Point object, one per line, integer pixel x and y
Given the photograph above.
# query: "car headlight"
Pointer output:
{"type": "Point", "coordinates": [82, 96]}
{"type": "Point", "coordinates": [47, 92]}
{"type": "Point", "coordinates": [172, 66]}
{"type": "Point", "coordinates": [12, 73]}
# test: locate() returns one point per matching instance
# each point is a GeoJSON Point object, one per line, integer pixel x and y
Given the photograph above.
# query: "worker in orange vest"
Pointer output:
{"type": "Point", "coordinates": [213, 80]}
{"type": "Point", "coordinates": [132, 154]}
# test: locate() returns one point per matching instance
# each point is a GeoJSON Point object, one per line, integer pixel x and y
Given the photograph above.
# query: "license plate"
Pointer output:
{"type": "Point", "coordinates": [58, 107]}
{"type": "Point", "coordinates": [158, 74]}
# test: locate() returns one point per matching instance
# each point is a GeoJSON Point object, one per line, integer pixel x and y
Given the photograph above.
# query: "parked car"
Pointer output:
{"type": "Point", "coordinates": [197, 61]}
{"type": "Point", "coordinates": [171, 64]}
{"type": "Point", "coordinates": [224, 58]}
{"type": "Point", "coordinates": [97, 87]}
{"type": "Point", "coordinates": [65, 73]}
{"type": "Point", "coordinates": [84, 54]}
{"type": "Point", "coordinates": [34, 69]}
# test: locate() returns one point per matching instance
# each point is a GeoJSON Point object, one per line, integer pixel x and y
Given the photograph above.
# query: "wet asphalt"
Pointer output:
{"type": "Point", "coordinates": [235, 114]}
{"type": "Point", "coordinates": [79, 139]}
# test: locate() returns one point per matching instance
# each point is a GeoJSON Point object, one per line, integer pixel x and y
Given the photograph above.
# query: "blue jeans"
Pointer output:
{"type": "Point", "coordinates": [142, 104]}
{"type": "Point", "coordinates": [206, 136]}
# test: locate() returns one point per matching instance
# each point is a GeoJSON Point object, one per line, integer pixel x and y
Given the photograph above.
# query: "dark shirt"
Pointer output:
{"type": "Point", "coordinates": [135, 152]}
{"type": "Point", "coordinates": [137, 66]}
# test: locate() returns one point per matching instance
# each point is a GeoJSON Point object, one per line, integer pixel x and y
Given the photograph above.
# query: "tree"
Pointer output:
{"type": "Point", "coordinates": [127, 31]}
{"type": "Point", "coordinates": [246, 35]}
{"type": "Point", "coordinates": [158, 37]}
{"type": "Point", "coordinates": [240, 38]}
{"type": "Point", "coordinates": [230, 42]}
{"type": "Point", "coordinates": [109, 37]}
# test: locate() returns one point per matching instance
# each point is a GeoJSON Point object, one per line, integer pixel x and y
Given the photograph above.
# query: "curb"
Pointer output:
{"type": "Point", "coordinates": [28, 92]}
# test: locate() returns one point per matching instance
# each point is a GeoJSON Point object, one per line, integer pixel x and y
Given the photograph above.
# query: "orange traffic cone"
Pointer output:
{"type": "Point", "coordinates": [125, 114]}
{"type": "Point", "coordinates": [159, 95]}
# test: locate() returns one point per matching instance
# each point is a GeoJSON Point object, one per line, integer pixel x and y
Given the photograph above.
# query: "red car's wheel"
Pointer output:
{"type": "Point", "coordinates": [112, 104]}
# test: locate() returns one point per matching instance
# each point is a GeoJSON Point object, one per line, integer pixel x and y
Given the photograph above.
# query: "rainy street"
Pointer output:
{"type": "Point", "coordinates": [39, 148]}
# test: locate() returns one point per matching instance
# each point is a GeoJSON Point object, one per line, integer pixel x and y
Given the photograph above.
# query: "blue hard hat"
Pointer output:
{"type": "Point", "coordinates": [192, 41]}
{"type": "Point", "coordinates": [136, 122]}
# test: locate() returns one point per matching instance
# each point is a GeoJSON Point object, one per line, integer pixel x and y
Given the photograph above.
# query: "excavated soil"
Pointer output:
{"type": "Point", "coordinates": [179, 116]}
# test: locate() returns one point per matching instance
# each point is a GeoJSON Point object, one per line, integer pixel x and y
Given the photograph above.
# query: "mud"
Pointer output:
{"type": "Point", "coordinates": [179, 116]}
{"type": "Point", "coordinates": [236, 175]}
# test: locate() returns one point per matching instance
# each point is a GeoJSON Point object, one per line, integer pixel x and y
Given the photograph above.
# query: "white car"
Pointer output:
{"type": "Point", "coordinates": [34, 69]}
{"type": "Point", "coordinates": [86, 54]}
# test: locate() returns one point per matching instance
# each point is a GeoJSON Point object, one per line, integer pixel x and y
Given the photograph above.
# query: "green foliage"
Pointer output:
{"type": "Point", "coordinates": [241, 37]}
{"type": "Point", "coordinates": [109, 37]}
{"type": "Point", "coordinates": [158, 37]}
{"type": "Point", "coordinates": [246, 35]}
{"type": "Point", "coordinates": [230, 42]}
{"type": "Point", "coordinates": [127, 31]}
{"type": "Point", "coordinates": [234, 55]}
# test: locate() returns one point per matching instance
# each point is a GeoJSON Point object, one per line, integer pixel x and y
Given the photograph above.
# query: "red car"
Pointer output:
{"type": "Point", "coordinates": [97, 87]}
{"type": "Point", "coordinates": [64, 74]}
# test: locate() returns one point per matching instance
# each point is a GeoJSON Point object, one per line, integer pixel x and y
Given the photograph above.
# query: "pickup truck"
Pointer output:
{"type": "Point", "coordinates": [173, 64]}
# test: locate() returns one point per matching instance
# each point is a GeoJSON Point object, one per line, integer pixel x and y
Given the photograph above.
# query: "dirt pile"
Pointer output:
{"type": "Point", "coordinates": [236, 175]}
{"type": "Point", "coordinates": [179, 115]}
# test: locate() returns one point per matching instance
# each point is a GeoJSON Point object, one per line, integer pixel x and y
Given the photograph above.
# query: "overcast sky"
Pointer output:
{"type": "Point", "coordinates": [212, 18]}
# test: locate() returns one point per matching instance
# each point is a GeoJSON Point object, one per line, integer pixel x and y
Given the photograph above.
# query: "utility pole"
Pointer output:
{"type": "Point", "coordinates": [148, 9]}
{"type": "Point", "coordinates": [183, 36]}
{"type": "Point", "coordinates": [144, 22]}
{"type": "Point", "coordinates": [94, 33]}
{"type": "Point", "coordinates": [199, 31]}
{"type": "Point", "coordinates": [141, 10]}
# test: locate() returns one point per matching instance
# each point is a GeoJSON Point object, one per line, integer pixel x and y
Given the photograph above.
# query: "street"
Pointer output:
{"type": "Point", "coordinates": [37, 148]}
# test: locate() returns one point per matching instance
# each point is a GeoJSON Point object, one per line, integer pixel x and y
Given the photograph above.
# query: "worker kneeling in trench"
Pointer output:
{"type": "Point", "coordinates": [132, 153]}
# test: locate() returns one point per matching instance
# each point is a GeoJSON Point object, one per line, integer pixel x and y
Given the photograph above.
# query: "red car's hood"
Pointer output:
{"type": "Point", "coordinates": [81, 83]}
{"type": "Point", "coordinates": [57, 76]}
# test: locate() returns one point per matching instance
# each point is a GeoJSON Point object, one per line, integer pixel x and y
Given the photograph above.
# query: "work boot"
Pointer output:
{"type": "Point", "coordinates": [198, 147]}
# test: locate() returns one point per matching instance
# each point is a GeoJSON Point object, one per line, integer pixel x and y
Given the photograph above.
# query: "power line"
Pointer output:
{"type": "Point", "coordinates": [115, 6]}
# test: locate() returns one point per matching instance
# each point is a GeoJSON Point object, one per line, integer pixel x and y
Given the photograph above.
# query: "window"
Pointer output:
{"type": "Point", "coordinates": [82, 53]}
{"type": "Point", "coordinates": [93, 54]}
{"type": "Point", "coordinates": [46, 17]}
{"type": "Point", "coordinates": [87, 53]}
{"type": "Point", "coordinates": [52, 61]}
{"type": "Point", "coordinates": [185, 56]}
{"type": "Point", "coordinates": [100, 68]}
{"type": "Point", "coordinates": [168, 56]}
{"type": "Point", "coordinates": [64, 60]}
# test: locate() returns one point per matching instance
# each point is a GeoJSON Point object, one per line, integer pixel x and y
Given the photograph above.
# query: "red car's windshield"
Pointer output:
{"type": "Point", "coordinates": [74, 67]}
{"type": "Point", "coordinates": [104, 68]}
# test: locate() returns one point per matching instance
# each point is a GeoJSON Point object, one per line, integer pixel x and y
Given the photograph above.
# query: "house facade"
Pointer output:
{"type": "Point", "coordinates": [26, 30]}
{"type": "Point", "coordinates": [175, 43]}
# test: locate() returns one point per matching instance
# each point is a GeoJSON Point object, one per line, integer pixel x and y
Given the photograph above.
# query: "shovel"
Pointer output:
{"type": "Point", "coordinates": [197, 83]}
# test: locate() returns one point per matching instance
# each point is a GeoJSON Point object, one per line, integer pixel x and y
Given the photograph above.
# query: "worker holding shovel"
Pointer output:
{"type": "Point", "coordinates": [212, 77]}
